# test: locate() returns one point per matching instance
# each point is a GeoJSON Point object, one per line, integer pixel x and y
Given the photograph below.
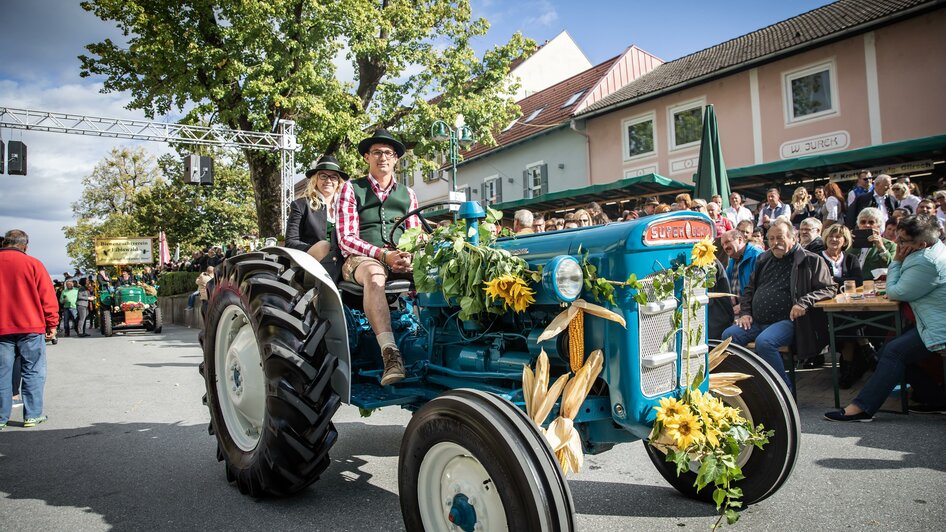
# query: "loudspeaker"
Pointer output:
{"type": "Point", "coordinates": [198, 170]}
{"type": "Point", "coordinates": [16, 158]}
{"type": "Point", "coordinates": [3, 159]}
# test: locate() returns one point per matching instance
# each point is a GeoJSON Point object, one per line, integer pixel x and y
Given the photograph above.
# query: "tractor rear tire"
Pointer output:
{"type": "Point", "coordinates": [472, 458]}
{"type": "Point", "coordinates": [106, 323]}
{"type": "Point", "coordinates": [158, 323]}
{"type": "Point", "coordinates": [267, 372]}
{"type": "Point", "coordinates": [765, 399]}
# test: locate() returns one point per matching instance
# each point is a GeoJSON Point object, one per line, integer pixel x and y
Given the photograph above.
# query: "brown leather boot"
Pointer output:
{"type": "Point", "coordinates": [393, 366]}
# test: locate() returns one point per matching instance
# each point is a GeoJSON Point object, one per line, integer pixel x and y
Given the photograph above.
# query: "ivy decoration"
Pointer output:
{"type": "Point", "coordinates": [446, 262]}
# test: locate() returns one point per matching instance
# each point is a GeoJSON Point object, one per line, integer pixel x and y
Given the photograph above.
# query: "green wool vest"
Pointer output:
{"type": "Point", "coordinates": [376, 217]}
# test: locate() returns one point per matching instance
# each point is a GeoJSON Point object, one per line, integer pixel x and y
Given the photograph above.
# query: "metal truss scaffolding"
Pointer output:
{"type": "Point", "coordinates": [284, 141]}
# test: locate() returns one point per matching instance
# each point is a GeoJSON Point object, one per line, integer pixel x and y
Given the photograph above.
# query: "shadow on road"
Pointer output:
{"type": "Point", "coordinates": [919, 437]}
{"type": "Point", "coordinates": [634, 500]}
{"type": "Point", "coordinates": [165, 476]}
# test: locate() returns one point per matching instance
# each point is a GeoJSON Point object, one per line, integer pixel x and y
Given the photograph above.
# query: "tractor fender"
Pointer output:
{"type": "Point", "coordinates": [329, 307]}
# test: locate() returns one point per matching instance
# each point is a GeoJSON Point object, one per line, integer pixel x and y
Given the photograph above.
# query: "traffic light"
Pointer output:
{"type": "Point", "coordinates": [198, 170]}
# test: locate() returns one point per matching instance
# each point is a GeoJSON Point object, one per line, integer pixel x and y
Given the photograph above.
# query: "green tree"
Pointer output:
{"type": "Point", "coordinates": [245, 64]}
{"type": "Point", "coordinates": [107, 203]}
{"type": "Point", "coordinates": [194, 216]}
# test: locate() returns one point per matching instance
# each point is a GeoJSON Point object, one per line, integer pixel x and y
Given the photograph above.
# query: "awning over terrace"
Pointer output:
{"type": "Point", "coordinates": [842, 165]}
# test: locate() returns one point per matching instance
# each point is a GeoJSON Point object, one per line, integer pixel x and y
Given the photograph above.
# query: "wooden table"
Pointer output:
{"type": "Point", "coordinates": [847, 313]}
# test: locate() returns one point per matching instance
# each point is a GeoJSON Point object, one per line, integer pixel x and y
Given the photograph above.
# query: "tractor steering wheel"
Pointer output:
{"type": "Point", "coordinates": [423, 221]}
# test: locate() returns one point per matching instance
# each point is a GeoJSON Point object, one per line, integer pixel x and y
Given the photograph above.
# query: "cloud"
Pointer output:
{"type": "Point", "coordinates": [547, 14]}
{"type": "Point", "coordinates": [40, 202]}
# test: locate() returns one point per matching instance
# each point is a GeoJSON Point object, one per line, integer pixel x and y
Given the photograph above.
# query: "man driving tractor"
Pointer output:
{"type": "Point", "coordinates": [368, 208]}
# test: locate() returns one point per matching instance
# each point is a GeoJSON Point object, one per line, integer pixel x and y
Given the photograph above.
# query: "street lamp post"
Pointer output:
{"type": "Point", "coordinates": [459, 135]}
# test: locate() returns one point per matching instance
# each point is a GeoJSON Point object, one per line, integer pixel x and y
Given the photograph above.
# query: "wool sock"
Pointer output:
{"type": "Point", "coordinates": [386, 339]}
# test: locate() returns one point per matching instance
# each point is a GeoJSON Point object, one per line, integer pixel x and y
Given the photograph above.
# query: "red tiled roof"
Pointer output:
{"type": "Point", "coordinates": [550, 101]}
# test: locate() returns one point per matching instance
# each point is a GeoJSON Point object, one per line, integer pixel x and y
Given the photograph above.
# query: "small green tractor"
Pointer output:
{"type": "Point", "coordinates": [128, 307]}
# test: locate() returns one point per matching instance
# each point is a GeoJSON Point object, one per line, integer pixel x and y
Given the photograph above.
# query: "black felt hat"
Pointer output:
{"type": "Point", "coordinates": [381, 136]}
{"type": "Point", "coordinates": [327, 162]}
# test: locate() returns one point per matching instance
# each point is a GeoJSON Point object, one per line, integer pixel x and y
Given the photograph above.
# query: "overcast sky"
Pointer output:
{"type": "Point", "coordinates": [41, 39]}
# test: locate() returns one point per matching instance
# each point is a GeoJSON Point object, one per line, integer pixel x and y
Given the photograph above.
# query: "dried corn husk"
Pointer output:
{"type": "Point", "coordinates": [560, 322]}
{"type": "Point", "coordinates": [719, 353]}
{"type": "Point", "coordinates": [566, 443]}
{"type": "Point", "coordinates": [725, 383]}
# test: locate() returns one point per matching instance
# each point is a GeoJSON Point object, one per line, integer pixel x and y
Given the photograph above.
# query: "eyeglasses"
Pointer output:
{"type": "Point", "coordinates": [328, 177]}
{"type": "Point", "coordinates": [383, 154]}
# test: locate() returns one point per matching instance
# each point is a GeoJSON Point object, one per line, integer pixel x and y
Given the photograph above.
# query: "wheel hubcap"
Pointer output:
{"type": "Point", "coordinates": [240, 382]}
{"type": "Point", "coordinates": [456, 493]}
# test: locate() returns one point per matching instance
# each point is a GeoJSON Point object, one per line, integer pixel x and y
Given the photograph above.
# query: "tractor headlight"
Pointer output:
{"type": "Point", "coordinates": [562, 275]}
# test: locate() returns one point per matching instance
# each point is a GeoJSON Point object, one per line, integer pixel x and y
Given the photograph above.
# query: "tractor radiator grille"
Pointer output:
{"type": "Point", "coordinates": [652, 328]}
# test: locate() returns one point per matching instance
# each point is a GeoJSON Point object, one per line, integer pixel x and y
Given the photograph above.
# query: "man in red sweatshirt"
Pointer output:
{"type": "Point", "coordinates": [29, 312]}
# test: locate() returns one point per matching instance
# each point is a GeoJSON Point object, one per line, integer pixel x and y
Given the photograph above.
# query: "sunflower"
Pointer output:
{"type": "Point", "coordinates": [704, 252]}
{"type": "Point", "coordinates": [513, 290]}
{"type": "Point", "coordinates": [685, 429]}
{"type": "Point", "coordinates": [733, 416]}
{"type": "Point", "coordinates": [669, 408]}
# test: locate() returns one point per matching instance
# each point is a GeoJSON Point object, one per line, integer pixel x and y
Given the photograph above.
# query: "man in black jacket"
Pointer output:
{"type": "Point", "coordinates": [777, 307]}
{"type": "Point", "coordinates": [880, 198]}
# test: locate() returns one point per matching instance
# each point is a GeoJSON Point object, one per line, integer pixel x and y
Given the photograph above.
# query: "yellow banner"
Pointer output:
{"type": "Point", "coordinates": [121, 250]}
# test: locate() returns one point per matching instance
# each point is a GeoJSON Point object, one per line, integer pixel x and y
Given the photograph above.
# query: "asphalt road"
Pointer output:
{"type": "Point", "coordinates": [126, 448]}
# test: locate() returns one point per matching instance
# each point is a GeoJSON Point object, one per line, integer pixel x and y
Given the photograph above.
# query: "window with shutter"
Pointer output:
{"type": "Point", "coordinates": [535, 180]}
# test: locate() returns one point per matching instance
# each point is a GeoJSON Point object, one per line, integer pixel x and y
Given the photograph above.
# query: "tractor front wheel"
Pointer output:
{"type": "Point", "coordinates": [764, 399]}
{"type": "Point", "coordinates": [267, 371]}
{"type": "Point", "coordinates": [473, 460]}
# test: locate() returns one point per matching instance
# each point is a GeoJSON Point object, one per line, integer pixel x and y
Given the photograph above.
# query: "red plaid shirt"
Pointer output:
{"type": "Point", "coordinates": [349, 234]}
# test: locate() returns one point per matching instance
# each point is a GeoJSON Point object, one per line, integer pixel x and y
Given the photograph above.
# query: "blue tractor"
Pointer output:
{"type": "Point", "coordinates": [284, 347]}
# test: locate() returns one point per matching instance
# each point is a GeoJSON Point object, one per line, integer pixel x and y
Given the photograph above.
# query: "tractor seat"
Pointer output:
{"type": "Point", "coordinates": [392, 287]}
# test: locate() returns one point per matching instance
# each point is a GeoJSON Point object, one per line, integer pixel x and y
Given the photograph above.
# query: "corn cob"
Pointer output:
{"type": "Point", "coordinates": [576, 341]}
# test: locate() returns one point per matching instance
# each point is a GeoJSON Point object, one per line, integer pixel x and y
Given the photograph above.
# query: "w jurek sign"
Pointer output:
{"type": "Point", "coordinates": [120, 250]}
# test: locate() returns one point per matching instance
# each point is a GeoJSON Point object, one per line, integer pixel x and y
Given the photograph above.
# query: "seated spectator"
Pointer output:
{"type": "Point", "coordinates": [736, 212]}
{"type": "Point", "coordinates": [720, 312]}
{"type": "Point", "coordinates": [880, 251]}
{"type": "Point", "coordinates": [777, 306]}
{"type": "Point", "coordinates": [772, 209]}
{"type": "Point", "coordinates": [682, 202]}
{"type": "Point", "coordinates": [745, 227]}
{"type": "Point", "coordinates": [928, 207]}
{"type": "Point", "coordinates": [845, 267]}
{"type": "Point", "coordinates": [809, 235]}
{"type": "Point", "coordinates": [717, 199]}
{"type": "Point", "coordinates": [917, 276]}
{"type": "Point", "coordinates": [698, 205]}
{"type": "Point", "coordinates": [715, 213]}
{"type": "Point", "coordinates": [522, 222]}
{"type": "Point", "coordinates": [538, 223]}
{"type": "Point", "coordinates": [598, 217]}
{"type": "Point", "coordinates": [757, 239]}
{"type": "Point", "coordinates": [650, 207]}
{"type": "Point", "coordinates": [557, 224]}
{"type": "Point", "coordinates": [662, 208]}
{"type": "Point", "coordinates": [904, 197]}
{"type": "Point", "coordinates": [583, 218]}
{"type": "Point", "coordinates": [742, 259]}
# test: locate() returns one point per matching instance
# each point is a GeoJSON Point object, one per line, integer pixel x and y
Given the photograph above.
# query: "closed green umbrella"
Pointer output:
{"type": "Point", "coordinates": [711, 177]}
